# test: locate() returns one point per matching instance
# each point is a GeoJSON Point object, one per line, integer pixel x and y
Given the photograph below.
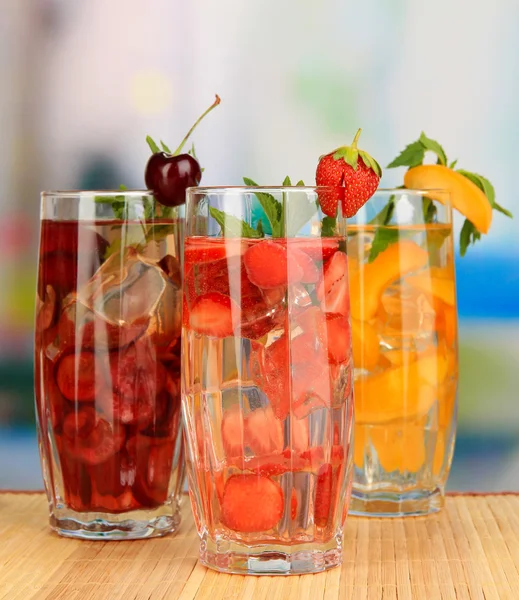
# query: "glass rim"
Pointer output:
{"type": "Point", "coordinates": [93, 193]}
{"type": "Point", "coordinates": [223, 189]}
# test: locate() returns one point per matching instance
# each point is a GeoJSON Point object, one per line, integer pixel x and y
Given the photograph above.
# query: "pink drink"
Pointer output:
{"type": "Point", "coordinates": [268, 400]}
{"type": "Point", "coordinates": [107, 377]}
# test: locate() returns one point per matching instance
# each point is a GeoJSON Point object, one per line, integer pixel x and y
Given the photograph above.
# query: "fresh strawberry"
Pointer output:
{"type": "Point", "coordinates": [263, 432]}
{"type": "Point", "coordinates": [316, 248]}
{"type": "Point", "coordinates": [335, 336]}
{"type": "Point", "coordinates": [301, 267]}
{"type": "Point", "coordinates": [293, 505]}
{"type": "Point", "coordinates": [251, 503]}
{"type": "Point", "coordinates": [233, 432]}
{"type": "Point", "coordinates": [333, 290]}
{"type": "Point", "coordinates": [323, 495]}
{"type": "Point", "coordinates": [214, 315]}
{"type": "Point", "coordinates": [267, 265]}
{"type": "Point", "coordinates": [353, 170]}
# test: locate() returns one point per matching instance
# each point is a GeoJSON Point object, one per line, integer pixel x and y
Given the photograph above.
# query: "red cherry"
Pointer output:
{"type": "Point", "coordinates": [169, 176]}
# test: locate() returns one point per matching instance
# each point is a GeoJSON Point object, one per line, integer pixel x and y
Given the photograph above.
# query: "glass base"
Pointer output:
{"type": "Point", "coordinates": [133, 525]}
{"type": "Point", "coordinates": [396, 504]}
{"type": "Point", "coordinates": [271, 559]}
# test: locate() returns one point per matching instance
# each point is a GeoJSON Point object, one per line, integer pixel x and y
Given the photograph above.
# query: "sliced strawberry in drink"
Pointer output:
{"type": "Point", "coordinates": [333, 290]}
{"type": "Point", "coordinates": [335, 336]}
{"type": "Point", "coordinates": [233, 432]}
{"type": "Point", "coordinates": [311, 389]}
{"type": "Point", "coordinates": [251, 503]}
{"type": "Point", "coordinates": [89, 438]}
{"type": "Point", "coordinates": [315, 457]}
{"type": "Point", "coordinates": [79, 376]}
{"type": "Point", "coordinates": [258, 319]}
{"type": "Point", "coordinates": [301, 267]}
{"type": "Point", "coordinates": [323, 495]}
{"type": "Point", "coordinates": [316, 248]}
{"type": "Point", "coordinates": [200, 250]}
{"type": "Point", "coordinates": [214, 315]}
{"type": "Point", "coordinates": [154, 470]}
{"type": "Point", "coordinates": [293, 505]}
{"type": "Point", "coordinates": [267, 265]}
{"type": "Point", "coordinates": [46, 310]}
{"type": "Point", "coordinates": [270, 466]}
{"type": "Point", "coordinates": [263, 432]}
{"type": "Point", "coordinates": [310, 319]}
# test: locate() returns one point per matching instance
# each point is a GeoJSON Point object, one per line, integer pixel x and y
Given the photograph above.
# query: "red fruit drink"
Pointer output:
{"type": "Point", "coordinates": [267, 399]}
{"type": "Point", "coordinates": [107, 376]}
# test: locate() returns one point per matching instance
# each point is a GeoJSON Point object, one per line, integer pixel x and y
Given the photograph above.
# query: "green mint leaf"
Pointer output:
{"type": "Point", "coordinates": [232, 226]}
{"type": "Point", "coordinates": [430, 211]}
{"type": "Point", "coordinates": [153, 146]}
{"type": "Point", "coordinates": [164, 147]}
{"type": "Point", "coordinates": [259, 228]}
{"type": "Point", "coordinates": [487, 188]}
{"type": "Point", "coordinates": [411, 156]}
{"type": "Point", "coordinates": [328, 226]}
{"type": "Point", "coordinates": [468, 235]}
{"type": "Point", "coordinates": [433, 146]}
{"type": "Point", "coordinates": [300, 183]}
{"type": "Point", "coordinates": [271, 207]}
{"type": "Point", "coordinates": [286, 181]}
{"type": "Point", "coordinates": [386, 214]}
{"type": "Point", "coordinates": [382, 239]}
{"type": "Point", "coordinates": [123, 188]}
{"type": "Point", "coordinates": [453, 164]}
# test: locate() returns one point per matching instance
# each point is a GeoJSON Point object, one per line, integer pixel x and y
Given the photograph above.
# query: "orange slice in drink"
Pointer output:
{"type": "Point", "coordinates": [365, 343]}
{"type": "Point", "coordinates": [368, 284]}
{"type": "Point", "coordinates": [464, 195]}
{"type": "Point", "coordinates": [441, 288]}
{"type": "Point", "coordinates": [402, 392]}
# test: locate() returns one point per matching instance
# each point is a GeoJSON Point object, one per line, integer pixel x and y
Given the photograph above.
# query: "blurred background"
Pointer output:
{"type": "Point", "coordinates": [83, 82]}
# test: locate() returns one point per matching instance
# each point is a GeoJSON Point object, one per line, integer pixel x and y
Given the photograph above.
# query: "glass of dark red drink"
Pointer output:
{"type": "Point", "coordinates": [107, 363]}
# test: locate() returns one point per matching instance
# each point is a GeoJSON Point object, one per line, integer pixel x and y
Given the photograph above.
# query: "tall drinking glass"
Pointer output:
{"type": "Point", "coordinates": [108, 323]}
{"type": "Point", "coordinates": [404, 329]}
{"type": "Point", "coordinates": [267, 379]}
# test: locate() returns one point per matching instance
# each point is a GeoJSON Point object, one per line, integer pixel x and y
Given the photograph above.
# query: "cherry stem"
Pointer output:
{"type": "Point", "coordinates": [213, 105]}
{"type": "Point", "coordinates": [356, 138]}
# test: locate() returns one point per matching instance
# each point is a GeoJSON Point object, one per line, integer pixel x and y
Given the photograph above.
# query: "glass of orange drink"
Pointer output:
{"type": "Point", "coordinates": [404, 330]}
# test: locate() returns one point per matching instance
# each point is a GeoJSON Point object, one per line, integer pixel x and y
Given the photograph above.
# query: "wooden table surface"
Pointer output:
{"type": "Point", "coordinates": [469, 550]}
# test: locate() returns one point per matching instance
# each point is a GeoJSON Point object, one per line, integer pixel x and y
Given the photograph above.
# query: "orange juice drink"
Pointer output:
{"type": "Point", "coordinates": [404, 337]}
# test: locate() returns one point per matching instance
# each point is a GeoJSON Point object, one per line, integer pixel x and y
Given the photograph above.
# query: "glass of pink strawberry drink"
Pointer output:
{"type": "Point", "coordinates": [267, 379]}
{"type": "Point", "coordinates": [108, 327]}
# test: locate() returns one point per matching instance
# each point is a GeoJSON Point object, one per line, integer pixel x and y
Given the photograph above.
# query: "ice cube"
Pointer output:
{"type": "Point", "coordinates": [126, 288]}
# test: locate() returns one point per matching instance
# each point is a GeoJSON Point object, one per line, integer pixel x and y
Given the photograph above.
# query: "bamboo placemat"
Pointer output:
{"type": "Point", "coordinates": [470, 550]}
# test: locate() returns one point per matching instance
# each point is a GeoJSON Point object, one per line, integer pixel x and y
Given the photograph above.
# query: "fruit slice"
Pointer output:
{"type": "Point", "coordinates": [333, 290]}
{"type": "Point", "coordinates": [251, 503]}
{"type": "Point", "coordinates": [233, 432]}
{"type": "Point", "coordinates": [400, 392]}
{"type": "Point", "coordinates": [464, 195]}
{"type": "Point", "coordinates": [263, 432]}
{"type": "Point", "coordinates": [268, 267]}
{"type": "Point", "coordinates": [323, 495]}
{"type": "Point", "coordinates": [368, 284]}
{"type": "Point", "coordinates": [316, 248]}
{"type": "Point", "coordinates": [89, 439]}
{"type": "Point", "coordinates": [214, 315]}
{"type": "Point", "coordinates": [299, 261]}
{"type": "Point", "coordinates": [365, 343]}
{"type": "Point", "coordinates": [335, 337]}
{"type": "Point", "coordinates": [440, 288]}
{"type": "Point", "coordinates": [154, 460]}
{"type": "Point", "coordinates": [77, 376]}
